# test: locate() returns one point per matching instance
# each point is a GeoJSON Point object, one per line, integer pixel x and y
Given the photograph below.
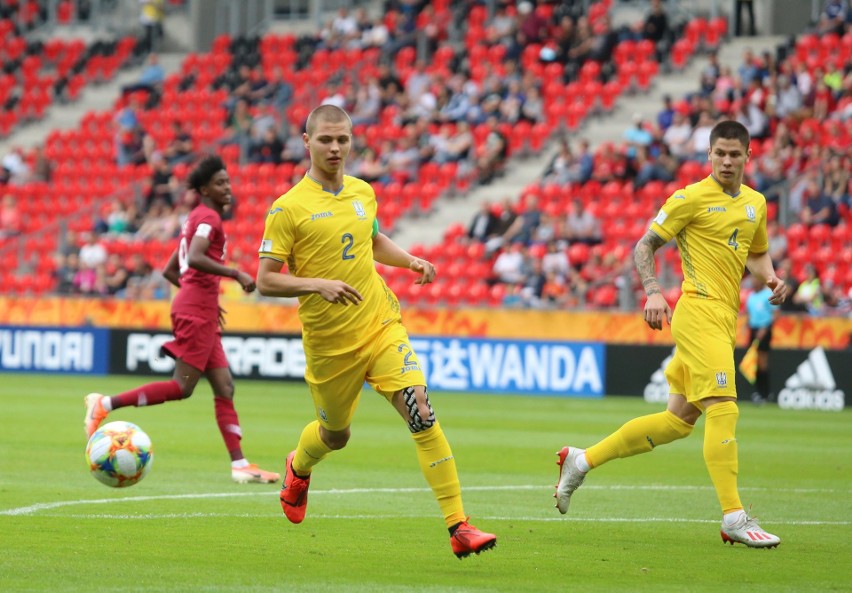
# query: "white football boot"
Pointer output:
{"type": "Point", "coordinates": [570, 478]}
{"type": "Point", "coordinates": [747, 531]}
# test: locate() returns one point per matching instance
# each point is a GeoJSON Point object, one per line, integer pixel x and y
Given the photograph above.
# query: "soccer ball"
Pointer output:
{"type": "Point", "coordinates": [119, 454]}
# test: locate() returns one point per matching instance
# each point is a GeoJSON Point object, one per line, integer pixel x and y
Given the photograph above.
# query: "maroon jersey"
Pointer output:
{"type": "Point", "coordinates": [199, 291]}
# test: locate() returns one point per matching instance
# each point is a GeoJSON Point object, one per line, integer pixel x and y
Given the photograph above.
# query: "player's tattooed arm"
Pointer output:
{"type": "Point", "coordinates": [643, 258]}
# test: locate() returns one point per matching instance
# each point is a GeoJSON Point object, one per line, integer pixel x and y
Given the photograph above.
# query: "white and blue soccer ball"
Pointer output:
{"type": "Point", "coordinates": [119, 454]}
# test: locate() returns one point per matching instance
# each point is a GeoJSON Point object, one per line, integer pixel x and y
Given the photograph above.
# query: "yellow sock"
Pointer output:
{"type": "Point", "coordinates": [720, 453]}
{"type": "Point", "coordinates": [439, 468]}
{"type": "Point", "coordinates": [310, 451]}
{"type": "Point", "coordinates": [639, 435]}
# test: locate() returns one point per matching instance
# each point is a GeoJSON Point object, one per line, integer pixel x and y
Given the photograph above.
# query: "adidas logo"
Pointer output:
{"type": "Point", "coordinates": [657, 391]}
{"type": "Point", "coordinates": [812, 386]}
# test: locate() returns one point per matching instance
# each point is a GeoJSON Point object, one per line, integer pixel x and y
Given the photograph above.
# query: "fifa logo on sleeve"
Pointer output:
{"type": "Point", "coordinates": [750, 213]}
{"type": "Point", "coordinates": [721, 379]}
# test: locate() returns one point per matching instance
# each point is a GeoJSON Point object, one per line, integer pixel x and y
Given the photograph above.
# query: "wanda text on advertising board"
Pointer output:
{"type": "Point", "coordinates": [574, 369]}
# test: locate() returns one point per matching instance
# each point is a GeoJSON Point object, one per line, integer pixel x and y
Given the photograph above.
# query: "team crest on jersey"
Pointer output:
{"type": "Point", "coordinates": [750, 213]}
{"type": "Point", "coordinates": [359, 209]}
{"type": "Point", "coordinates": [721, 379]}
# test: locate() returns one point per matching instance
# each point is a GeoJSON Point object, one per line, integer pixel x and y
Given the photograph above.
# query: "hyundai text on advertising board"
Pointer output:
{"type": "Point", "coordinates": [574, 369]}
{"type": "Point", "coordinates": [54, 350]}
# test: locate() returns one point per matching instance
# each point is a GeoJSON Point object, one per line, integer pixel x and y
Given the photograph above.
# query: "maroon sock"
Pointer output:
{"type": "Point", "coordinates": [229, 426]}
{"type": "Point", "coordinates": [148, 395]}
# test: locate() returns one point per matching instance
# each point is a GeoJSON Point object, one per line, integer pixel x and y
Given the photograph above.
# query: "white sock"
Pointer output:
{"type": "Point", "coordinates": [581, 463]}
{"type": "Point", "coordinates": [731, 518]}
{"type": "Point", "coordinates": [106, 402]}
{"type": "Point", "coordinates": [238, 463]}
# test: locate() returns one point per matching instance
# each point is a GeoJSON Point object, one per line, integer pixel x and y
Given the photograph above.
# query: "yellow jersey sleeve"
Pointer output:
{"type": "Point", "coordinates": [675, 214]}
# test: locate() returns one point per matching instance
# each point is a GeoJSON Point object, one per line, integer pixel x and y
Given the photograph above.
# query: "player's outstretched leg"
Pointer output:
{"type": "Point", "coordinates": [294, 493]}
{"type": "Point", "coordinates": [570, 477]}
{"type": "Point", "coordinates": [95, 413]}
{"type": "Point", "coordinates": [745, 530]}
{"type": "Point", "coordinates": [467, 539]}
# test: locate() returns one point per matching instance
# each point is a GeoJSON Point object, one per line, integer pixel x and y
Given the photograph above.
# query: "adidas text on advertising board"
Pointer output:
{"type": "Point", "coordinates": [812, 386]}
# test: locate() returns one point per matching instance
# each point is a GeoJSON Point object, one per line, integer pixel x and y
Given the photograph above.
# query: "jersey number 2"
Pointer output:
{"type": "Point", "coordinates": [347, 240]}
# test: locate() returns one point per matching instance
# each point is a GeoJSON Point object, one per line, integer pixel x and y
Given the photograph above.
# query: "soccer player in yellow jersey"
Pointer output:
{"type": "Point", "coordinates": [325, 229]}
{"type": "Point", "coordinates": [720, 228]}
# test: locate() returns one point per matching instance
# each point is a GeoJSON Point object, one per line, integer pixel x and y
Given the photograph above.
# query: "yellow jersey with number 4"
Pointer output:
{"type": "Point", "coordinates": [320, 234]}
{"type": "Point", "coordinates": [715, 232]}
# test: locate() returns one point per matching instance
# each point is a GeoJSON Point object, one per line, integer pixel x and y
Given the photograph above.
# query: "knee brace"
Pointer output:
{"type": "Point", "coordinates": [416, 423]}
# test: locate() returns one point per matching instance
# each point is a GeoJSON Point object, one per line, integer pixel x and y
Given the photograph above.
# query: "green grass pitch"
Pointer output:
{"type": "Point", "coordinates": [645, 524]}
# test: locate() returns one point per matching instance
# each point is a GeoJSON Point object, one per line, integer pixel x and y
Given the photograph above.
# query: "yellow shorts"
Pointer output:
{"type": "Point", "coordinates": [387, 363]}
{"type": "Point", "coordinates": [703, 364]}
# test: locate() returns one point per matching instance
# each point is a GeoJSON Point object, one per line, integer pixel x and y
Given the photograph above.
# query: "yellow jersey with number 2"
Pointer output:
{"type": "Point", "coordinates": [715, 232]}
{"type": "Point", "coordinates": [319, 234]}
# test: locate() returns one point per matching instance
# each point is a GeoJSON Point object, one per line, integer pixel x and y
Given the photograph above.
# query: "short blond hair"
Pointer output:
{"type": "Point", "coordinates": [329, 113]}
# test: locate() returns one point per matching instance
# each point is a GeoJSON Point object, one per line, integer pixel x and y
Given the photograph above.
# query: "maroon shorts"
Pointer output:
{"type": "Point", "coordinates": [198, 342]}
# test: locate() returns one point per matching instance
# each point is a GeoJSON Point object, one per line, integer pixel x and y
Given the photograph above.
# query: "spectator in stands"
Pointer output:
{"type": "Point", "coordinates": [483, 226]}
{"type": "Point", "coordinates": [532, 24]}
{"type": "Point", "coordinates": [788, 99]}
{"type": "Point", "coordinates": [532, 109]}
{"type": "Point", "coordinates": [92, 252]}
{"type": "Point", "coordinates": [404, 160]}
{"type": "Point", "coordinates": [748, 7]}
{"type": "Point", "coordinates": [369, 167]}
{"type": "Point", "coordinates": [525, 224]}
{"type": "Point", "coordinates": [116, 275]}
{"type": "Point", "coordinates": [490, 162]}
{"type": "Point", "coordinates": [665, 117]}
{"type": "Point", "coordinates": [555, 260]}
{"type": "Point", "coordinates": [581, 226]}
{"type": "Point", "coordinates": [294, 146]}
{"type": "Point", "coordinates": [819, 208]}
{"type": "Point", "coordinates": [510, 265]}
{"type": "Point", "coordinates": [152, 16]}
{"type": "Point", "coordinates": [239, 127]}
{"type": "Point", "coordinates": [837, 181]}
{"type": "Point", "coordinates": [458, 146]}
{"type": "Point", "coordinates": [532, 288]}
{"type": "Point", "coordinates": [637, 136]}
{"type": "Point", "coordinates": [656, 29]}
{"type": "Point", "coordinates": [777, 242]}
{"type": "Point", "coordinates": [269, 149]}
{"type": "Point", "coordinates": [11, 221]}
{"type": "Point", "coordinates": [66, 271]}
{"type": "Point", "coordinates": [15, 165]}
{"type": "Point", "coordinates": [809, 292]}
{"type": "Point", "coordinates": [279, 91]}
{"type": "Point", "coordinates": [163, 183]}
{"type": "Point", "coordinates": [648, 169]}
{"type": "Point", "coordinates": [150, 79]}
{"type": "Point", "coordinates": [181, 148]}
{"type": "Point", "coordinates": [161, 224]}
{"type": "Point", "coordinates": [42, 168]}
{"type": "Point", "coordinates": [833, 18]}
{"type": "Point", "coordinates": [118, 221]}
{"type": "Point", "coordinates": [699, 141]}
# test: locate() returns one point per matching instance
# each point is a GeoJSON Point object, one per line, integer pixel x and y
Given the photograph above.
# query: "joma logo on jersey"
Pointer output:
{"type": "Point", "coordinates": [721, 379]}
{"type": "Point", "coordinates": [359, 209]}
{"type": "Point", "coordinates": [319, 215]}
{"type": "Point", "coordinates": [717, 209]}
{"type": "Point", "coordinates": [751, 214]}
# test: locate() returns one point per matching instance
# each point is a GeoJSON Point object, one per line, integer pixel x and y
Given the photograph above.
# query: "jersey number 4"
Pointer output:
{"type": "Point", "coordinates": [732, 241]}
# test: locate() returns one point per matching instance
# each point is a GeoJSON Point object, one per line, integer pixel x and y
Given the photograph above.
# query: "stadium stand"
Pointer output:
{"type": "Point", "coordinates": [428, 132]}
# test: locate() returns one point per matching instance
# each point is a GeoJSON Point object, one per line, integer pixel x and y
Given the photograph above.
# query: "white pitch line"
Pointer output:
{"type": "Point", "coordinates": [359, 517]}
{"type": "Point", "coordinates": [43, 506]}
